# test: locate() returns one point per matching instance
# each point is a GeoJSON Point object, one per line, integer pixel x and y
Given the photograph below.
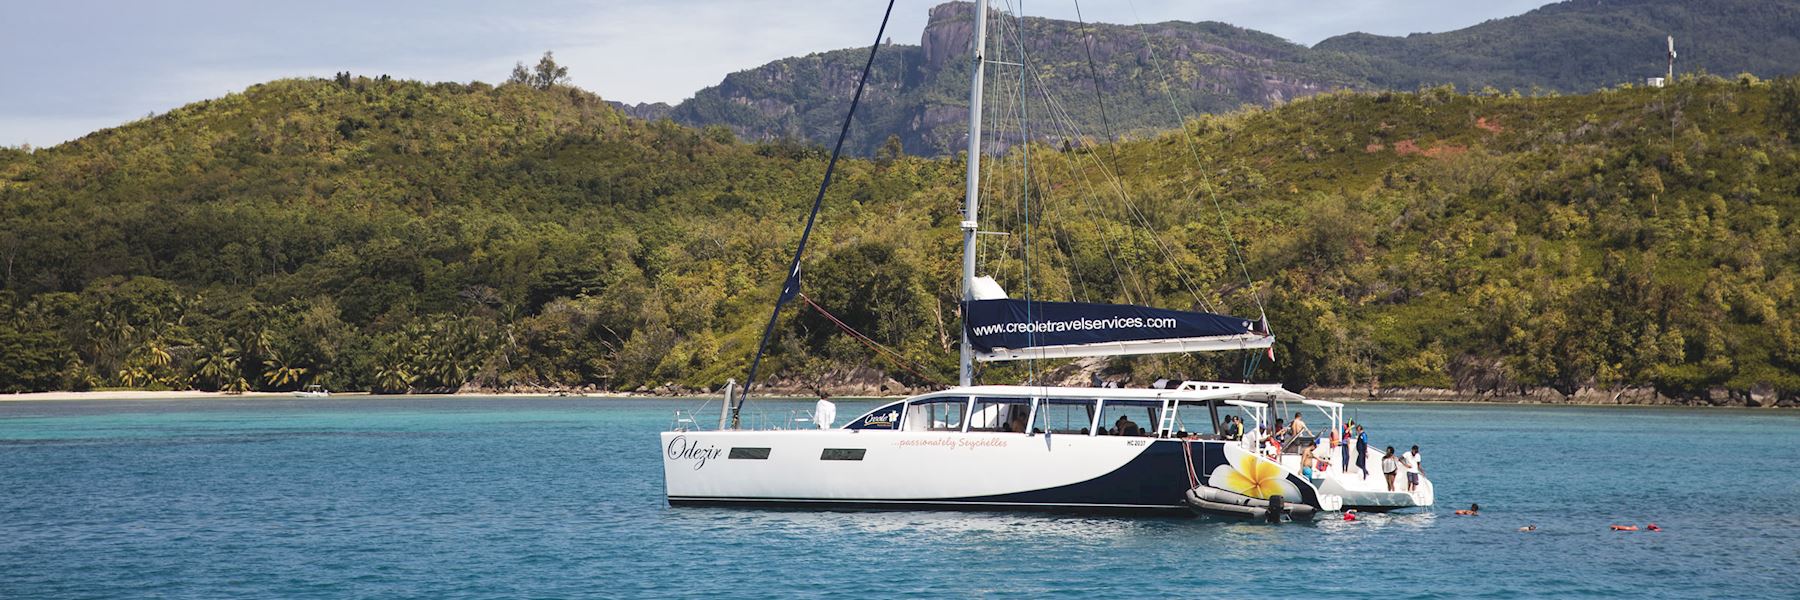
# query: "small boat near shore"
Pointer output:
{"type": "Point", "coordinates": [313, 391]}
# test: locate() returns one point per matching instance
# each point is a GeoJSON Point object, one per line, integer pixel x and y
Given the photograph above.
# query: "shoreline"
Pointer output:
{"type": "Point", "coordinates": [129, 395]}
{"type": "Point", "coordinates": [1350, 397]}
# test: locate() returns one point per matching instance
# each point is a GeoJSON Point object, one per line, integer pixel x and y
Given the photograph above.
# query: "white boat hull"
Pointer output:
{"type": "Point", "coordinates": [939, 470]}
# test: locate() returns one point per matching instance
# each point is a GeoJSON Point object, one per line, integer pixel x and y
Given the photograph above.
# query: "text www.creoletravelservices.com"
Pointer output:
{"type": "Point", "coordinates": [1083, 324]}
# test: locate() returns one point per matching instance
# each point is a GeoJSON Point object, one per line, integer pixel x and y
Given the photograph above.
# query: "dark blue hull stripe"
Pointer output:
{"type": "Point", "coordinates": [808, 503]}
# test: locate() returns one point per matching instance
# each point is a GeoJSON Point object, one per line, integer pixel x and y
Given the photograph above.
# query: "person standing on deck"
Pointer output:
{"type": "Point", "coordinates": [1414, 468]}
{"type": "Point", "coordinates": [1362, 451]}
{"type": "Point", "coordinates": [1298, 429]}
{"type": "Point", "coordinates": [1344, 443]}
{"type": "Point", "coordinates": [1389, 466]}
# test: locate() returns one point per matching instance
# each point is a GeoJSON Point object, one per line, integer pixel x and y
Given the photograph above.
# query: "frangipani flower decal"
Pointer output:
{"type": "Point", "coordinates": [1252, 476]}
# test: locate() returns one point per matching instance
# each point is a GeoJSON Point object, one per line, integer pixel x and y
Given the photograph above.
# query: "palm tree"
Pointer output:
{"type": "Point", "coordinates": [281, 374]}
{"type": "Point", "coordinates": [218, 362]}
{"type": "Point", "coordinates": [394, 378]}
{"type": "Point", "coordinates": [154, 353]}
{"type": "Point", "coordinates": [135, 376]}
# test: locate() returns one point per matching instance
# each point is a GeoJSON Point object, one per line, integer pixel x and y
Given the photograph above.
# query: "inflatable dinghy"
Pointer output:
{"type": "Point", "coordinates": [1212, 500]}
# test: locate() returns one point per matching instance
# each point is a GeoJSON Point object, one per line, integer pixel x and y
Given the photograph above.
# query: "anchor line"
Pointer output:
{"type": "Point", "coordinates": [879, 349]}
{"type": "Point", "coordinates": [1187, 452]}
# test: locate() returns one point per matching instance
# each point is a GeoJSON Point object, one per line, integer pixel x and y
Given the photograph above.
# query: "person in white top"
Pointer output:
{"type": "Point", "coordinates": [1413, 468]}
{"type": "Point", "coordinates": [1390, 466]}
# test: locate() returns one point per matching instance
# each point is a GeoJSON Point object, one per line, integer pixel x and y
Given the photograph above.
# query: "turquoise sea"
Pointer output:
{"type": "Point", "coordinates": [465, 497]}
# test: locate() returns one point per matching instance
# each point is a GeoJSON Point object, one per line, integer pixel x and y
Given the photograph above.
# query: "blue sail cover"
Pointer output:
{"type": "Point", "coordinates": [1012, 329]}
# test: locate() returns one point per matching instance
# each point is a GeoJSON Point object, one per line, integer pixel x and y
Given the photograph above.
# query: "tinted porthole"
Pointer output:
{"type": "Point", "coordinates": [750, 453]}
{"type": "Point", "coordinates": [842, 454]}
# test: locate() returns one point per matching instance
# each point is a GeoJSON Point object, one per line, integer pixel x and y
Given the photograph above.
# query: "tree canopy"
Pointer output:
{"type": "Point", "coordinates": [395, 235]}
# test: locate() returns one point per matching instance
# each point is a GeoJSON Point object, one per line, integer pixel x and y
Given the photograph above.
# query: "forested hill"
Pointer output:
{"type": "Point", "coordinates": [388, 235]}
{"type": "Point", "coordinates": [1581, 45]}
{"type": "Point", "coordinates": [919, 93]}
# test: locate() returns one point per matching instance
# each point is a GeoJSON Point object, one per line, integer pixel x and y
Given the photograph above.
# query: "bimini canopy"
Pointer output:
{"type": "Point", "coordinates": [1006, 329]}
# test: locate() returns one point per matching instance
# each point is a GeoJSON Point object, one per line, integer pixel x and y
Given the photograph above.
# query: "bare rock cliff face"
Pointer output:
{"type": "Point", "coordinates": [948, 34]}
{"type": "Point", "coordinates": [916, 93]}
{"type": "Point", "coordinates": [646, 111]}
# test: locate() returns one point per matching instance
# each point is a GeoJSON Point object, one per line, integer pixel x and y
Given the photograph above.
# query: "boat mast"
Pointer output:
{"type": "Point", "coordinates": [972, 195]}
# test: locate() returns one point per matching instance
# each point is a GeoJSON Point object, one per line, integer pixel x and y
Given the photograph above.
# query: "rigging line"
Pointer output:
{"type": "Point", "coordinates": [891, 354]}
{"type": "Point", "coordinates": [1130, 206]}
{"type": "Point", "coordinates": [1124, 196]}
{"type": "Point", "coordinates": [1061, 118]}
{"type": "Point", "coordinates": [1016, 31]}
{"type": "Point", "coordinates": [1094, 74]}
{"type": "Point", "coordinates": [995, 186]}
{"type": "Point", "coordinates": [1067, 121]}
{"type": "Point", "coordinates": [791, 286]}
{"type": "Point", "coordinates": [1025, 177]}
{"type": "Point", "coordinates": [1060, 245]}
{"type": "Point", "coordinates": [1199, 167]}
{"type": "Point", "coordinates": [1137, 215]}
{"type": "Point", "coordinates": [1111, 245]}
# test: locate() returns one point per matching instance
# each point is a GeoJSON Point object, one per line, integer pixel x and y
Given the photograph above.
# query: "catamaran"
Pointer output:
{"type": "Point", "coordinates": [1035, 447]}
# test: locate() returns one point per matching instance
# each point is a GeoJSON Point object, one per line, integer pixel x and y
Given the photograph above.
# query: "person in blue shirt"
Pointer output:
{"type": "Point", "coordinates": [1362, 451]}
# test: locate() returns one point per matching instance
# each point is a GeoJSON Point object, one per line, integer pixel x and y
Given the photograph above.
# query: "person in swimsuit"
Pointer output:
{"type": "Point", "coordinates": [1298, 428]}
{"type": "Point", "coordinates": [1389, 466]}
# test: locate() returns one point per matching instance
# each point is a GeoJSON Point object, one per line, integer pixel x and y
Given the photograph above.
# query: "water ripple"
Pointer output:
{"type": "Point", "coordinates": [482, 498]}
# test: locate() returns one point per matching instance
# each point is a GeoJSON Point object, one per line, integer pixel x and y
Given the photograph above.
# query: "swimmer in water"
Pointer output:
{"type": "Point", "coordinates": [1624, 528]}
{"type": "Point", "coordinates": [1472, 511]}
{"type": "Point", "coordinates": [1528, 528]}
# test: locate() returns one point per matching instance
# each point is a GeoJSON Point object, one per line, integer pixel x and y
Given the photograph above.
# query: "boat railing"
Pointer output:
{"type": "Point", "coordinates": [688, 420]}
{"type": "Point", "coordinates": [683, 421]}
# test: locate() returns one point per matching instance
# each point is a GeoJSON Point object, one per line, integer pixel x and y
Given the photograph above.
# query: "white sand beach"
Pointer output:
{"type": "Point", "coordinates": [137, 395]}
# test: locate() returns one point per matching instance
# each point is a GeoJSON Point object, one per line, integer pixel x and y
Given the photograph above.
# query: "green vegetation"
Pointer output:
{"type": "Point", "coordinates": [1577, 46]}
{"type": "Point", "coordinates": [917, 93]}
{"type": "Point", "coordinates": [1569, 47]}
{"type": "Point", "coordinates": [547, 74]}
{"type": "Point", "coordinates": [392, 236]}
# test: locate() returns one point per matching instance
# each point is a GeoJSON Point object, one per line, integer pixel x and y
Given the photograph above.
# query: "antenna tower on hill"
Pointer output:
{"type": "Point", "coordinates": [1671, 59]}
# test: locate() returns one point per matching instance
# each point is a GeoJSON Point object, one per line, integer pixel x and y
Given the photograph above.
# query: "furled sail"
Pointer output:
{"type": "Point", "coordinates": [1004, 329]}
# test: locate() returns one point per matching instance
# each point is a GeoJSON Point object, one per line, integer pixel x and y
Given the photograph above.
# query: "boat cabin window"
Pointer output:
{"type": "Point", "coordinates": [1129, 417]}
{"type": "Point", "coordinates": [884, 418]}
{"type": "Point", "coordinates": [1000, 414]}
{"type": "Point", "coordinates": [1064, 415]}
{"type": "Point", "coordinates": [1198, 418]}
{"type": "Point", "coordinates": [936, 414]}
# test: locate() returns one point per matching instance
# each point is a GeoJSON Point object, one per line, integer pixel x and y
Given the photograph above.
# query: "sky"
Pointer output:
{"type": "Point", "coordinates": [76, 66]}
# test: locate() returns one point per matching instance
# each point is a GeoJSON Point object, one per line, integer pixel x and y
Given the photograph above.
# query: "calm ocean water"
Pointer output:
{"type": "Point", "coordinates": [509, 497]}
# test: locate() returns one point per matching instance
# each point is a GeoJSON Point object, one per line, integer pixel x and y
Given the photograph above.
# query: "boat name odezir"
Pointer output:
{"type": "Point", "coordinates": [682, 449]}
